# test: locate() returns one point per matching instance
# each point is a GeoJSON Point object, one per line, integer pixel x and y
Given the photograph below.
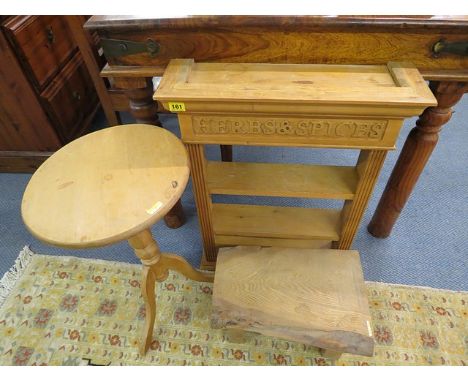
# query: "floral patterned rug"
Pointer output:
{"type": "Point", "coordinates": [72, 311]}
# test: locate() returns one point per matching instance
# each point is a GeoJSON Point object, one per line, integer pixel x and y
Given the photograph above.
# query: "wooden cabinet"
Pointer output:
{"type": "Point", "coordinates": [47, 98]}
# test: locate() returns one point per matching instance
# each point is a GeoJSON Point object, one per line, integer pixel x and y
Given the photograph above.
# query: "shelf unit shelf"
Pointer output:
{"type": "Point", "coordinates": [284, 180]}
{"type": "Point", "coordinates": [276, 222]}
{"type": "Point", "coordinates": [229, 241]}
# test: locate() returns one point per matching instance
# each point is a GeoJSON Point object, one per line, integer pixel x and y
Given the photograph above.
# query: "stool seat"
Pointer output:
{"type": "Point", "coordinates": [106, 186]}
{"type": "Point", "coordinates": [315, 297]}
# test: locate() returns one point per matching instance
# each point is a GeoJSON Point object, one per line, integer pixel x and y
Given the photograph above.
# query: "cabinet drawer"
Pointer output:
{"type": "Point", "coordinates": [70, 99]}
{"type": "Point", "coordinates": [43, 44]}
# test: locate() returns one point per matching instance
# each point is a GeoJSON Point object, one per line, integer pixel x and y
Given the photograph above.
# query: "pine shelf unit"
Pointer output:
{"type": "Point", "coordinates": [319, 106]}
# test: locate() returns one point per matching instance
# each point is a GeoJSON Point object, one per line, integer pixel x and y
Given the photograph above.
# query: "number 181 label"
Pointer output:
{"type": "Point", "coordinates": [176, 106]}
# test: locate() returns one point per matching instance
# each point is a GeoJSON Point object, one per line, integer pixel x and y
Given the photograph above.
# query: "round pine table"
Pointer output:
{"type": "Point", "coordinates": [109, 186]}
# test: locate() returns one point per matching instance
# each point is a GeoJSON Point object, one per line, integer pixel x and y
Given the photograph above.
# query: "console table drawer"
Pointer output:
{"type": "Point", "coordinates": [259, 45]}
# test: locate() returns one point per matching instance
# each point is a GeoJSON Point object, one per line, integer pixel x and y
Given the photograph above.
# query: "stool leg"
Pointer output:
{"type": "Point", "coordinates": [237, 336]}
{"type": "Point", "coordinates": [147, 251]}
{"type": "Point", "coordinates": [330, 354]}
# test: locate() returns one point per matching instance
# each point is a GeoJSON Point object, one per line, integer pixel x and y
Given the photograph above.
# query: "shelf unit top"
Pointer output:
{"type": "Point", "coordinates": [394, 84]}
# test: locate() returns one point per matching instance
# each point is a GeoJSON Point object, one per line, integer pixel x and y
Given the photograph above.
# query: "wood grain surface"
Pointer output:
{"type": "Point", "coordinates": [18, 130]}
{"type": "Point", "coordinates": [106, 186]}
{"type": "Point", "coordinates": [89, 52]}
{"type": "Point", "coordinates": [391, 84]}
{"type": "Point", "coordinates": [45, 44]}
{"type": "Point", "coordinates": [22, 161]}
{"type": "Point", "coordinates": [276, 179]}
{"type": "Point", "coordinates": [70, 100]}
{"type": "Point", "coordinates": [273, 44]}
{"type": "Point", "coordinates": [316, 297]}
{"type": "Point", "coordinates": [368, 169]}
{"type": "Point", "coordinates": [276, 222]}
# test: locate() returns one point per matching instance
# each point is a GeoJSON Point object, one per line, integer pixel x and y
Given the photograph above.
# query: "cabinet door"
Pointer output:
{"type": "Point", "coordinates": [24, 126]}
{"type": "Point", "coordinates": [70, 99]}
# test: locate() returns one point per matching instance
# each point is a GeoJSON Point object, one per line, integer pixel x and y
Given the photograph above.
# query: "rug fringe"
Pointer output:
{"type": "Point", "coordinates": [10, 278]}
{"type": "Point", "coordinates": [415, 287]}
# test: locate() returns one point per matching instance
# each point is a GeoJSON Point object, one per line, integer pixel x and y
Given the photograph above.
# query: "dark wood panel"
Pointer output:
{"type": "Point", "coordinates": [376, 23]}
{"type": "Point", "coordinates": [277, 46]}
{"type": "Point", "coordinates": [88, 49]}
{"type": "Point", "coordinates": [119, 100]}
{"type": "Point", "coordinates": [43, 42]}
{"type": "Point", "coordinates": [70, 98]}
{"type": "Point", "coordinates": [22, 161]}
{"type": "Point", "coordinates": [414, 155]}
{"type": "Point", "coordinates": [23, 123]}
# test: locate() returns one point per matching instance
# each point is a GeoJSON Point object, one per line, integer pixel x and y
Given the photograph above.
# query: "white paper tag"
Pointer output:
{"type": "Point", "coordinates": [154, 208]}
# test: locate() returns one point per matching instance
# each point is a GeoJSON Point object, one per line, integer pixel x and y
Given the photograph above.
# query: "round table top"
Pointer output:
{"type": "Point", "coordinates": [106, 186]}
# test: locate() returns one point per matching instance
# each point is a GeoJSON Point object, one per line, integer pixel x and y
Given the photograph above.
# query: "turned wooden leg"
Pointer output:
{"type": "Point", "coordinates": [147, 251]}
{"type": "Point", "coordinates": [414, 155]}
{"type": "Point", "coordinates": [156, 267]}
{"type": "Point", "coordinates": [139, 92]}
{"type": "Point", "coordinates": [226, 153]}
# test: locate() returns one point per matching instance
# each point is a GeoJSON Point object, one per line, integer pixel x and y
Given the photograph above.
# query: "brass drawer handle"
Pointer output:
{"type": "Point", "coordinates": [50, 35]}
{"type": "Point", "coordinates": [459, 48]}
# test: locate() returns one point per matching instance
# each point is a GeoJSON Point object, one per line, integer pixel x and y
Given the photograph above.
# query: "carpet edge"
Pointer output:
{"type": "Point", "coordinates": [11, 277]}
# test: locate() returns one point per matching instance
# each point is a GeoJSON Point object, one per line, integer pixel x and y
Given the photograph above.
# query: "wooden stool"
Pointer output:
{"type": "Point", "coordinates": [109, 186]}
{"type": "Point", "coordinates": [316, 297]}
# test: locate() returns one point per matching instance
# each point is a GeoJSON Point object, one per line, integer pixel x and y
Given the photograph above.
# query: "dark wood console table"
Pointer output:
{"type": "Point", "coordinates": [138, 49]}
